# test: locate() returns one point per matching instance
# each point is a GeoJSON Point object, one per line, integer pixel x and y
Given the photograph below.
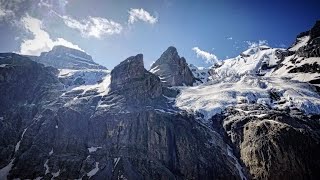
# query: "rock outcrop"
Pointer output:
{"type": "Point", "coordinates": [172, 69]}
{"type": "Point", "coordinates": [276, 144]}
{"type": "Point", "coordinates": [130, 79]}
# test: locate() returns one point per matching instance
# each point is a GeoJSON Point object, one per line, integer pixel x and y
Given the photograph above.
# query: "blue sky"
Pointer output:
{"type": "Point", "coordinates": [112, 30]}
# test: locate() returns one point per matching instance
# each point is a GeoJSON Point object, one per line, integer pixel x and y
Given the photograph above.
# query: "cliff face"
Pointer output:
{"type": "Point", "coordinates": [273, 144]}
{"type": "Point", "coordinates": [129, 131]}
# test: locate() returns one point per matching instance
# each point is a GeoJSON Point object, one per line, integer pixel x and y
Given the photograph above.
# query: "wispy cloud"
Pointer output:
{"type": "Point", "coordinates": [141, 15]}
{"type": "Point", "coordinates": [41, 40]}
{"type": "Point", "coordinates": [210, 58]}
{"type": "Point", "coordinates": [57, 5]}
{"type": "Point", "coordinates": [253, 44]}
{"type": "Point", "coordinates": [5, 14]}
{"type": "Point", "coordinates": [96, 27]}
{"type": "Point", "coordinates": [229, 38]}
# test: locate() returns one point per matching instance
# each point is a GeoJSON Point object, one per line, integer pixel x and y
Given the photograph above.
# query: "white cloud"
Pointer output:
{"type": "Point", "coordinates": [93, 26]}
{"type": "Point", "coordinates": [45, 3]}
{"type": "Point", "coordinates": [142, 15]}
{"type": "Point", "coordinates": [253, 44]}
{"type": "Point", "coordinates": [229, 38]}
{"type": "Point", "coordinates": [5, 14]}
{"type": "Point", "coordinates": [210, 58]}
{"type": "Point", "coordinates": [41, 41]}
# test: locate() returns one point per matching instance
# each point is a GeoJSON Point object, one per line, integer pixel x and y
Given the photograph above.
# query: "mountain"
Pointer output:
{"type": "Point", "coordinates": [254, 116]}
{"type": "Point", "coordinates": [62, 57]}
{"type": "Point", "coordinates": [172, 70]}
{"type": "Point", "coordinates": [129, 130]}
{"type": "Point", "coordinates": [266, 102]}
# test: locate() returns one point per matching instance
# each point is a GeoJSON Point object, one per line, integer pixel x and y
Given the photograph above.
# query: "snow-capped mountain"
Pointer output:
{"type": "Point", "coordinates": [254, 116]}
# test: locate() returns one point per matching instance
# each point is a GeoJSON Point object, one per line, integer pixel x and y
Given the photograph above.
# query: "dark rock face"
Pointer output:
{"type": "Point", "coordinates": [312, 49]}
{"type": "Point", "coordinates": [306, 68]}
{"type": "Point", "coordinates": [21, 79]}
{"type": "Point", "coordinates": [173, 70]}
{"type": "Point", "coordinates": [278, 145]}
{"type": "Point", "coordinates": [124, 134]}
{"type": "Point", "coordinates": [131, 79]}
{"type": "Point", "coordinates": [62, 57]}
{"type": "Point", "coordinates": [315, 31]}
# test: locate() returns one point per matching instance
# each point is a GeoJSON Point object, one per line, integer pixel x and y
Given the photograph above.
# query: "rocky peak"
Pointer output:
{"type": "Point", "coordinates": [172, 69]}
{"type": "Point", "coordinates": [171, 54]}
{"type": "Point", "coordinates": [127, 71]}
{"type": "Point", "coordinates": [66, 51]}
{"type": "Point", "coordinates": [131, 80]}
{"type": "Point", "coordinates": [62, 57]}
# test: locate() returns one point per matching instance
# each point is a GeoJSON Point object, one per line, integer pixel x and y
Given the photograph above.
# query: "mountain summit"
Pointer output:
{"type": "Point", "coordinates": [172, 69]}
{"type": "Point", "coordinates": [62, 57]}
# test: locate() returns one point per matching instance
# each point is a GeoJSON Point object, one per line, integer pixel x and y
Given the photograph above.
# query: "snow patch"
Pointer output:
{"type": "Point", "coordinates": [47, 167]}
{"type": "Point", "coordinates": [154, 70]}
{"type": "Point", "coordinates": [93, 149]}
{"type": "Point", "coordinates": [51, 152]}
{"type": "Point", "coordinates": [78, 57]}
{"type": "Point", "coordinates": [18, 144]}
{"type": "Point", "coordinates": [93, 171]}
{"type": "Point", "coordinates": [56, 174]}
{"type": "Point", "coordinates": [4, 172]}
{"type": "Point", "coordinates": [115, 163]}
{"type": "Point", "coordinates": [301, 42]}
{"type": "Point", "coordinates": [260, 115]}
{"type": "Point", "coordinates": [236, 163]}
{"type": "Point", "coordinates": [3, 65]}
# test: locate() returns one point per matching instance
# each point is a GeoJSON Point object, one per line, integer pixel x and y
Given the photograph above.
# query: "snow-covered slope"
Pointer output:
{"type": "Point", "coordinates": [201, 74]}
{"type": "Point", "coordinates": [303, 63]}
{"type": "Point", "coordinates": [299, 68]}
{"type": "Point", "coordinates": [258, 60]}
{"type": "Point", "coordinates": [301, 41]}
{"type": "Point", "coordinates": [275, 93]}
{"type": "Point", "coordinates": [86, 81]}
{"type": "Point", "coordinates": [272, 77]}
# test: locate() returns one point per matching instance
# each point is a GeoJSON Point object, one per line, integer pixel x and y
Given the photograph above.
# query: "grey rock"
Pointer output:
{"type": "Point", "coordinates": [173, 70]}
